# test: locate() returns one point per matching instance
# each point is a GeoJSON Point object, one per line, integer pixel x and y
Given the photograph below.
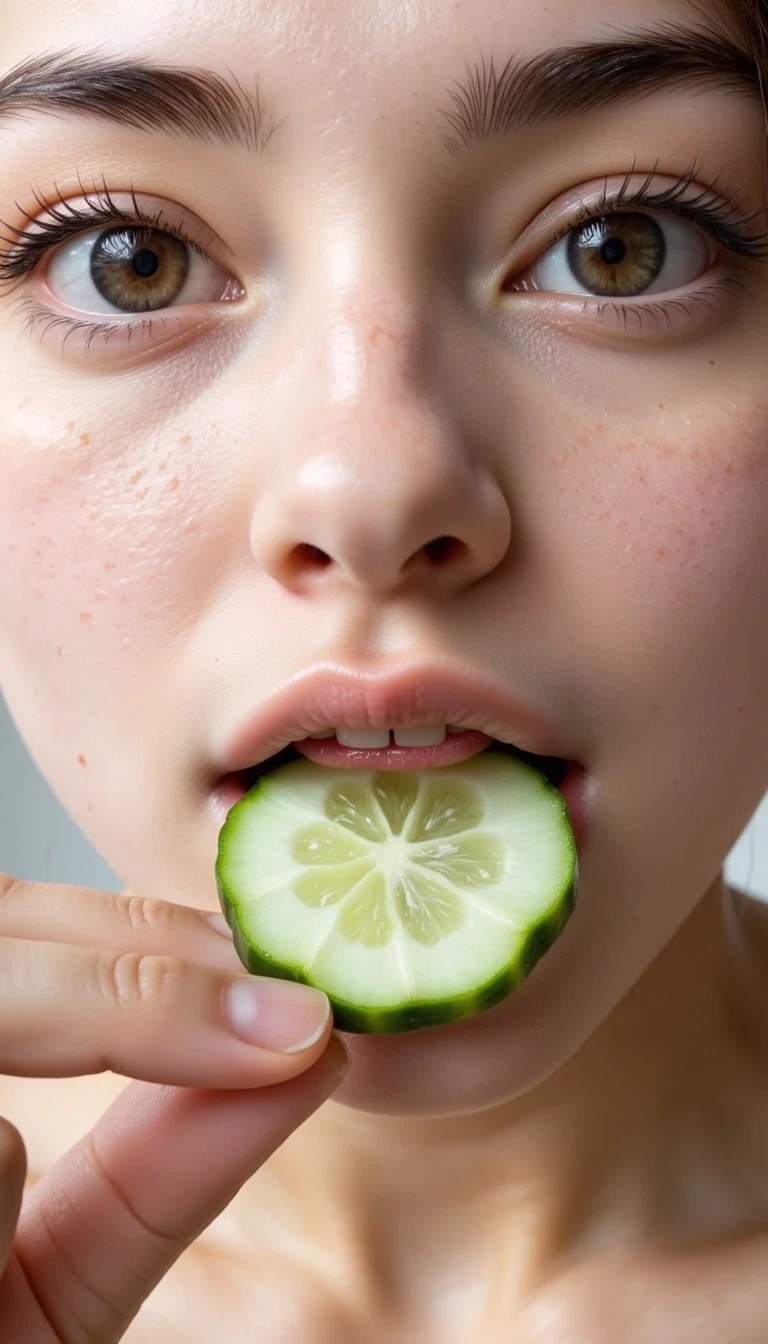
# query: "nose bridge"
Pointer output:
{"type": "Point", "coordinates": [373, 467]}
{"type": "Point", "coordinates": [361, 307]}
{"type": "Point", "coordinates": [371, 344]}
{"type": "Point", "coordinates": [383, 417]}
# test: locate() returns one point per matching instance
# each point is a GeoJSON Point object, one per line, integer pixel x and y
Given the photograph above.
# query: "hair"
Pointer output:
{"type": "Point", "coordinates": [753, 17]}
{"type": "Point", "coordinates": [753, 14]}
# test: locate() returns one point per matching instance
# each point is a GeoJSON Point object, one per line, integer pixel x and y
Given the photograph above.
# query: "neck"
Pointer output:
{"type": "Point", "coordinates": [599, 1155]}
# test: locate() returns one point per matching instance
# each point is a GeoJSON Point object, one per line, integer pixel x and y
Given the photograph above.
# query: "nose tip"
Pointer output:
{"type": "Point", "coordinates": [381, 476]}
{"type": "Point", "coordinates": [406, 520]}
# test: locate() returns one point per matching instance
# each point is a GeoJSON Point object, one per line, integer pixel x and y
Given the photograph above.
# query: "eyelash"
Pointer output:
{"type": "Point", "coordinates": [68, 221]}
{"type": "Point", "coordinates": [24, 256]}
{"type": "Point", "coordinates": [710, 210]}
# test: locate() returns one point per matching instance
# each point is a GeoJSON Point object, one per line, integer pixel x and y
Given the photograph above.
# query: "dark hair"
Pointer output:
{"type": "Point", "coordinates": [754, 16]}
{"type": "Point", "coordinates": [755, 12]}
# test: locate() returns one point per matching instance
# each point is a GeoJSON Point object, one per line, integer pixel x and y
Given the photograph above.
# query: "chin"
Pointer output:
{"type": "Point", "coordinates": [469, 1066]}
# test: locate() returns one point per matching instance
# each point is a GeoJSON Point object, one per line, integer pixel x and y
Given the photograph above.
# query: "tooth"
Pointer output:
{"type": "Point", "coordinates": [363, 737]}
{"type": "Point", "coordinates": [420, 737]}
{"type": "Point", "coordinates": [452, 729]}
{"type": "Point", "coordinates": [327, 732]}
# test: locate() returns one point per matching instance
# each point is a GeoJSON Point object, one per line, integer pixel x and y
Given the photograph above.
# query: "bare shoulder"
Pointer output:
{"type": "Point", "coordinates": [718, 1295]}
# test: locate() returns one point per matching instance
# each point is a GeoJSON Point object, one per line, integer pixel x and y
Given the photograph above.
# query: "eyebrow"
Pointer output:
{"type": "Point", "coordinates": [551, 86]}
{"type": "Point", "coordinates": [570, 81]}
{"type": "Point", "coordinates": [189, 101]}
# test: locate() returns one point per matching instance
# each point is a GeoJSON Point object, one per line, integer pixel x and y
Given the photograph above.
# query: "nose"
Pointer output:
{"type": "Point", "coordinates": [377, 481]}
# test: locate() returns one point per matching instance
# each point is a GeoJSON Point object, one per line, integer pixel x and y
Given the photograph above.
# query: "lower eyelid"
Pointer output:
{"type": "Point", "coordinates": [658, 317]}
{"type": "Point", "coordinates": [86, 338]}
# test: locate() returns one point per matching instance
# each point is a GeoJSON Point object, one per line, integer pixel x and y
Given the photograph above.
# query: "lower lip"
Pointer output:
{"type": "Point", "coordinates": [457, 747]}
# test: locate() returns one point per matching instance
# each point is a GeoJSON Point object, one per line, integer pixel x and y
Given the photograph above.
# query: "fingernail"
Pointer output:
{"type": "Point", "coordinates": [277, 1014]}
{"type": "Point", "coordinates": [219, 923]}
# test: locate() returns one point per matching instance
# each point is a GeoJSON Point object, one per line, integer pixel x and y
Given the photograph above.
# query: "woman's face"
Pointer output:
{"type": "Point", "coordinates": [393, 332]}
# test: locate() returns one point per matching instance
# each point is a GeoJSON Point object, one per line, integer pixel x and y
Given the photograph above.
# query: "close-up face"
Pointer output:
{"type": "Point", "coordinates": [416, 346]}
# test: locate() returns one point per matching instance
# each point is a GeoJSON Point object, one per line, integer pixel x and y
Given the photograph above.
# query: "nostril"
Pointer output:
{"type": "Point", "coordinates": [306, 558]}
{"type": "Point", "coordinates": [307, 554]}
{"type": "Point", "coordinates": [443, 548]}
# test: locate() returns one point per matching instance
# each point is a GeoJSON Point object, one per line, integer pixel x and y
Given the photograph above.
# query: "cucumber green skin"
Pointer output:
{"type": "Point", "coordinates": [411, 1016]}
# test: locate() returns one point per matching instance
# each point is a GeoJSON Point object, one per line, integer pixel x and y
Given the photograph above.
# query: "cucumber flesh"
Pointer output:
{"type": "Point", "coordinates": [412, 898]}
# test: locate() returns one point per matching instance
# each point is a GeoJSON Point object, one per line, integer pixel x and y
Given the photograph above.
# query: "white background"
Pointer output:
{"type": "Point", "coordinates": [39, 841]}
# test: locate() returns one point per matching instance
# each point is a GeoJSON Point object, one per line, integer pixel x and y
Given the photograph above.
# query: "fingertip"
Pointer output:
{"type": "Point", "coordinates": [341, 1059]}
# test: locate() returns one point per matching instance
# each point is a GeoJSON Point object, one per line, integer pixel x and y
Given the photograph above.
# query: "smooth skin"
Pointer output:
{"type": "Point", "coordinates": [586, 1161]}
{"type": "Point", "coordinates": [93, 982]}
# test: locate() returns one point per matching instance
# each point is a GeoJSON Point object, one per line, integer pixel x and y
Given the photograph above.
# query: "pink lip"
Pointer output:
{"type": "Point", "coordinates": [332, 696]}
{"type": "Point", "coordinates": [450, 752]}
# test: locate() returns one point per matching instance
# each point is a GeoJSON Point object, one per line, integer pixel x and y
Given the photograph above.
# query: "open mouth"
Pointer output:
{"type": "Point", "coordinates": [322, 752]}
{"type": "Point", "coordinates": [568, 777]}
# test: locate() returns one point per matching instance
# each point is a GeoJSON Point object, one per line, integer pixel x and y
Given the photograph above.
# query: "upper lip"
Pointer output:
{"type": "Point", "coordinates": [331, 695]}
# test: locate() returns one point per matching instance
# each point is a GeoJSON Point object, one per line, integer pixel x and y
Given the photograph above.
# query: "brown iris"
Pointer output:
{"type": "Point", "coordinates": [139, 269]}
{"type": "Point", "coordinates": [618, 255]}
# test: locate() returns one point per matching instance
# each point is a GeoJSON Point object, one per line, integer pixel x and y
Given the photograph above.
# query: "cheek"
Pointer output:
{"type": "Point", "coordinates": [667, 533]}
{"type": "Point", "coordinates": [659, 597]}
{"type": "Point", "coordinates": [108, 554]}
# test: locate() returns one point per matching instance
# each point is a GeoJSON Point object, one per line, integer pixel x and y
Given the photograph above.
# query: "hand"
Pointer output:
{"type": "Point", "coordinates": [91, 981]}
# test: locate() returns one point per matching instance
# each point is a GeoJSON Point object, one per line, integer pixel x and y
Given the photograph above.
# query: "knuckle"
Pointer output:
{"type": "Point", "coordinates": [144, 915]}
{"type": "Point", "coordinates": [135, 980]}
{"type": "Point", "coordinates": [127, 1202]}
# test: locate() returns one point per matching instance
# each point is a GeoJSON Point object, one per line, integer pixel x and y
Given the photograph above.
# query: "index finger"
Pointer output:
{"type": "Point", "coordinates": [81, 916]}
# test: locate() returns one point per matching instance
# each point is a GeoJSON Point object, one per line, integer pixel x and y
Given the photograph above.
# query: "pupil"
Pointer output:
{"type": "Point", "coordinates": [613, 251]}
{"type": "Point", "coordinates": [145, 263]}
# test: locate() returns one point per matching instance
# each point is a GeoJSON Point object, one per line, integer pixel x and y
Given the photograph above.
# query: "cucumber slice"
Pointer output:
{"type": "Point", "coordinates": [412, 898]}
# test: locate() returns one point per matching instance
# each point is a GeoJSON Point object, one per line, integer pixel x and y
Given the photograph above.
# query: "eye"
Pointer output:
{"type": "Point", "coordinates": [623, 255]}
{"type": "Point", "coordinates": [133, 269]}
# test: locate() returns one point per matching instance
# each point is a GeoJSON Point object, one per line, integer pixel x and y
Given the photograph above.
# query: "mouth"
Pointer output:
{"type": "Point", "coordinates": [438, 716]}
{"type": "Point", "coordinates": [568, 777]}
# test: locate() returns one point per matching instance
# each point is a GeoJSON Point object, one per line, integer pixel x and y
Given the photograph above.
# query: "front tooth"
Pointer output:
{"type": "Point", "coordinates": [363, 737]}
{"type": "Point", "coordinates": [420, 737]}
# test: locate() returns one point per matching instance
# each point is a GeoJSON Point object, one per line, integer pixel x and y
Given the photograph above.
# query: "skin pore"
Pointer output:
{"type": "Point", "coordinates": [365, 363]}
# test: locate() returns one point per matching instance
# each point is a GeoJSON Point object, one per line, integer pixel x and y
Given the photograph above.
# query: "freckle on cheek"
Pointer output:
{"type": "Point", "coordinates": [82, 760]}
{"type": "Point", "coordinates": [185, 439]}
{"type": "Point", "coordinates": [86, 618]}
